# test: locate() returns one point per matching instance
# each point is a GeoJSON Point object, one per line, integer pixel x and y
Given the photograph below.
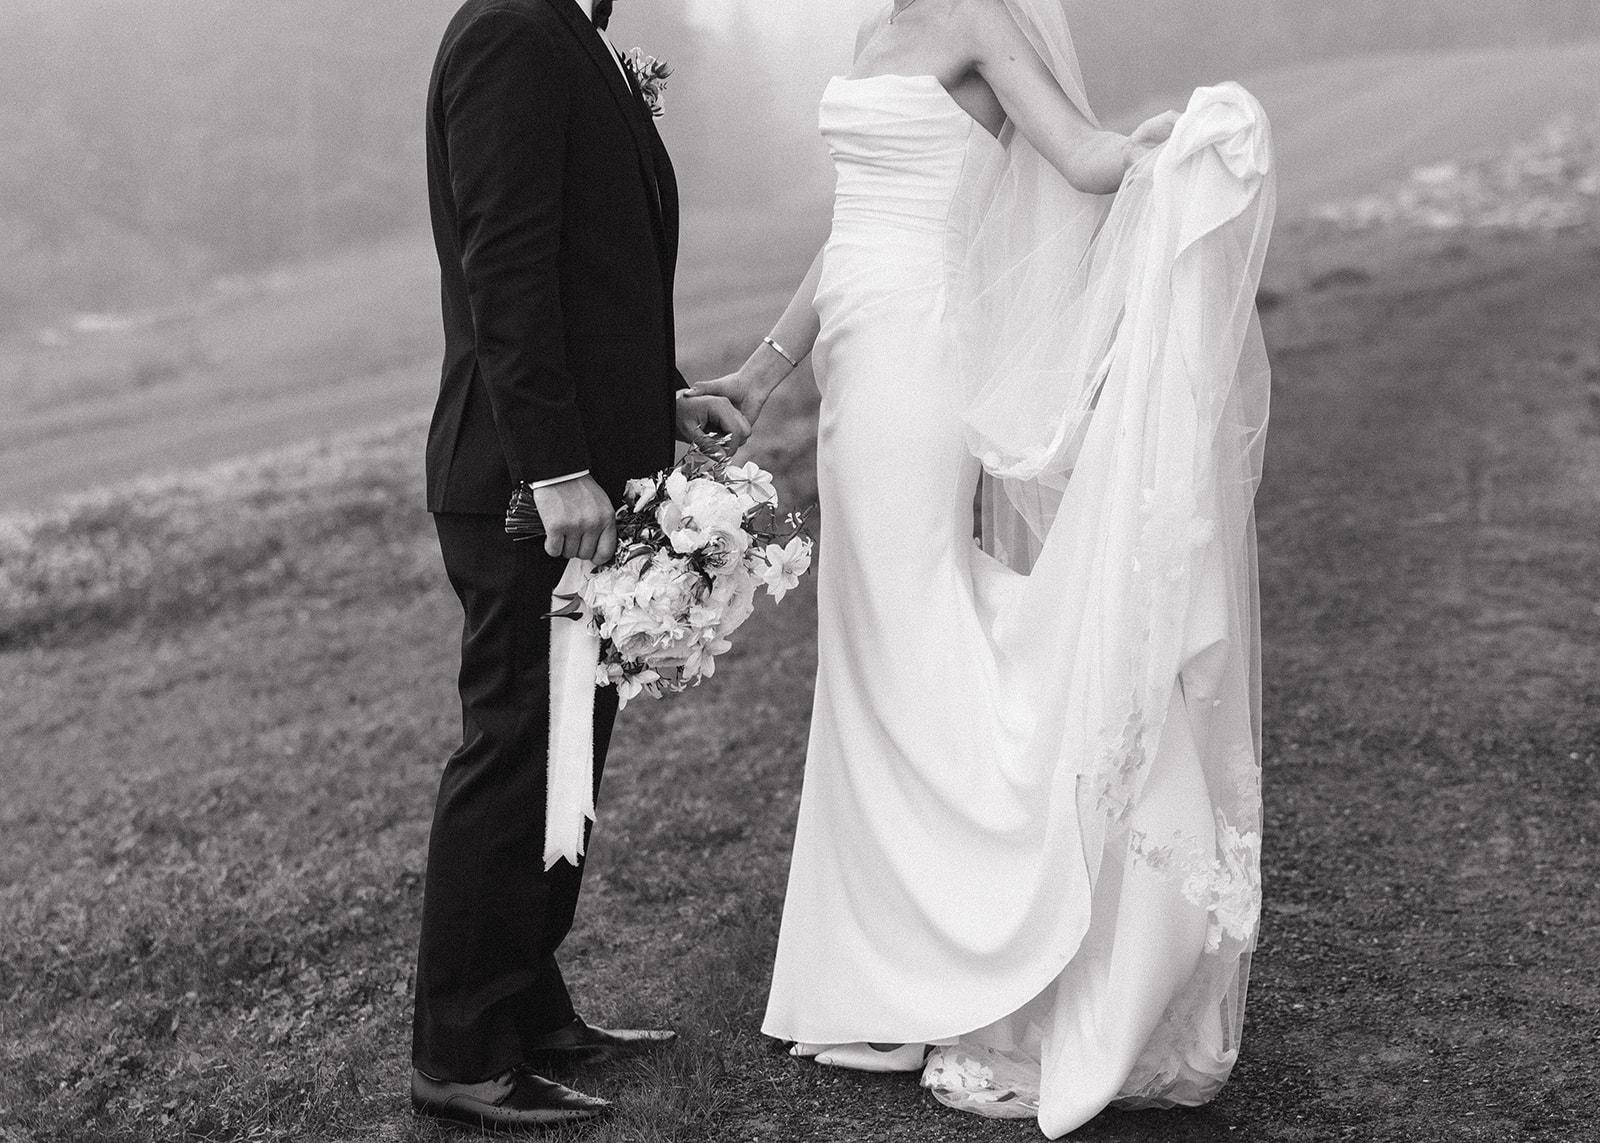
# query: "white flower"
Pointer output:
{"type": "Point", "coordinates": [687, 541]}
{"type": "Point", "coordinates": [631, 686]}
{"type": "Point", "coordinates": [725, 550]}
{"type": "Point", "coordinates": [667, 586]}
{"type": "Point", "coordinates": [702, 660]}
{"type": "Point", "coordinates": [785, 566]}
{"type": "Point", "coordinates": [735, 594]}
{"type": "Point", "coordinates": [641, 493]}
{"type": "Point", "coordinates": [751, 484]}
{"type": "Point", "coordinates": [702, 512]}
{"type": "Point", "coordinates": [712, 506]}
{"type": "Point", "coordinates": [635, 640]}
{"type": "Point", "coordinates": [607, 590]}
{"type": "Point", "coordinates": [678, 650]}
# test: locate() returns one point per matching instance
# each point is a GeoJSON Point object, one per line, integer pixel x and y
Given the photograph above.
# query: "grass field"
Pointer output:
{"type": "Point", "coordinates": [227, 697]}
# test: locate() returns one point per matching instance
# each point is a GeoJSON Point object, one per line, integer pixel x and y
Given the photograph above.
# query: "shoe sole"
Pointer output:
{"type": "Point", "coordinates": [526, 1121]}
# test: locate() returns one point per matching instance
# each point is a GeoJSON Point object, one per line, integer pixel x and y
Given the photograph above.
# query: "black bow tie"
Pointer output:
{"type": "Point", "coordinates": [602, 13]}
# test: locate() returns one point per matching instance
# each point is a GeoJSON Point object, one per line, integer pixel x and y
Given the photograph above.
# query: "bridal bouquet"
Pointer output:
{"type": "Point", "coordinates": [694, 544]}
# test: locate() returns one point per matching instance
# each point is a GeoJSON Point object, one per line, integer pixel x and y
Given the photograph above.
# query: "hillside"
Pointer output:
{"type": "Point", "coordinates": [352, 339]}
{"type": "Point", "coordinates": [1345, 127]}
{"type": "Point", "coordinates": [341, 343]}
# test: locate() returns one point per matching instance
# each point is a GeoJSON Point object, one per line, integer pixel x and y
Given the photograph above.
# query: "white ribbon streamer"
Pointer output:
{"type": "Point", "coordinates": [574, 654]}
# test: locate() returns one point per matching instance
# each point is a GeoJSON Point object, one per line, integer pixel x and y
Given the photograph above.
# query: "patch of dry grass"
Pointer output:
{"type": "Point", "coordinates": [154, 551]}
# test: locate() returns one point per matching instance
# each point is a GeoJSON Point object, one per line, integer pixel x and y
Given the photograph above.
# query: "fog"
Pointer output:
{"type": "Point", "coordinates": [149, 146]}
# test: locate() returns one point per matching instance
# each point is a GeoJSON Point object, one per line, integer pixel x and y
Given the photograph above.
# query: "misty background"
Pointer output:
{"type": "Point", "coordinates": [149, 148]}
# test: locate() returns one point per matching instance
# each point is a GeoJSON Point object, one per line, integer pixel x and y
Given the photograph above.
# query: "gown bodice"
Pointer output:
{"type": "Point", "coordinates": [898, 144]}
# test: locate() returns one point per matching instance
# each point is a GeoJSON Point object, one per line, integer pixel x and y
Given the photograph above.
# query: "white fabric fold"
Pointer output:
{"type": "Point", "coordinates": [1123, 409]}
{"type": "Point", "coordinates": [574, 655]}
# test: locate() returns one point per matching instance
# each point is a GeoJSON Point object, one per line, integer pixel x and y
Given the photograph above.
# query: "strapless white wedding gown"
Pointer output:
{"type": "Point", "coordinates": [939, 893]}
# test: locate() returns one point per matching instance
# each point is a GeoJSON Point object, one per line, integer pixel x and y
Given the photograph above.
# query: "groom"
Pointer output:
{"type": "Point", "coordinates": [555, 214]}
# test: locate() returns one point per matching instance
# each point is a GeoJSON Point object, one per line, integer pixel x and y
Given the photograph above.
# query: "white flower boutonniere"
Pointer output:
{"type": "Point", "coordinates": [650, 73]}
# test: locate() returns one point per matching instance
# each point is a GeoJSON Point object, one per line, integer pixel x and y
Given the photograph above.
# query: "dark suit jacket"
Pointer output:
{"type": "Point", "coordinates": [555, 214]}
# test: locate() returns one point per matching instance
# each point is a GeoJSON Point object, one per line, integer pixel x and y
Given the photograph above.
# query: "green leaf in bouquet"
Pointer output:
{"type": "Point", "coordinates": [763, 521]}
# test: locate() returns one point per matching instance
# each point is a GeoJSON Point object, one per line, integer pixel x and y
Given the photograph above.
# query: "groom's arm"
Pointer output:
{"type": "Point", "coordinates": [506, 104]}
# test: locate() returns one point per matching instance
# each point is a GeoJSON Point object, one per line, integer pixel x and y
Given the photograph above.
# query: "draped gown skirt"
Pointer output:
{"type": "Point", "coordinates": [940, 892]}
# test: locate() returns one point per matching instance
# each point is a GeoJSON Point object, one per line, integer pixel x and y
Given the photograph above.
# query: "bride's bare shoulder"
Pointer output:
{"type": "Point", "coordinates": [987, 28]}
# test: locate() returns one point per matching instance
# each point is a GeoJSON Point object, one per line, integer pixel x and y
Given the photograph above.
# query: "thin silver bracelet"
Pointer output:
{"type": "Point", "coordinates": [781, 352]}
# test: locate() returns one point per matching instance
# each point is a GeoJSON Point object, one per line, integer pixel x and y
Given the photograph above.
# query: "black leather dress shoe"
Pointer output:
{"type": "Point", "coordinates": [579, 1043]}
{"type": "Point", "coordinates": [516, 1101]}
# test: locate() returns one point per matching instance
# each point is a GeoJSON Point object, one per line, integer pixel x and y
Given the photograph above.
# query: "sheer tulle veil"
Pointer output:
{"type": "Point", "coordinates": [1116, 396]}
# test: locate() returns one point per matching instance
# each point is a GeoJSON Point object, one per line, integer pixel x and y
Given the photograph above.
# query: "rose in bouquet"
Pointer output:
{"type": "Point", "coordinates": [695, 543]}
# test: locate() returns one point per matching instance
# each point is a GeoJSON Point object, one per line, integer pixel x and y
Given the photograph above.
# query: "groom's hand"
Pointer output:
{"type": "Point", "coordinates": [702, 418]}
{"type": "Point", "coordinates": [579, 520]}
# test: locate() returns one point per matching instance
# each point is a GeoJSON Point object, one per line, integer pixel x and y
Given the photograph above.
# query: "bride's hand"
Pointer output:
{"type": "Point", "coordinates": [1148, 136]}
{"type": "Point", "coordinates": [738, 389]}
{"type": "Point", "coordinates": [711, 422]}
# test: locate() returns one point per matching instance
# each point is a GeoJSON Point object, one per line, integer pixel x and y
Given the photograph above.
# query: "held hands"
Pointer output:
{"type": "Point", "coordinates": [1148, 136]}
{"type": "Point", "coordinates": [738, 390]}
{"type": "Point", "coordinates": [704, 415]}
{"type": "Point", "coordinates": [578, 517]}
{"type": "Point", "coordinates": [579, 520]}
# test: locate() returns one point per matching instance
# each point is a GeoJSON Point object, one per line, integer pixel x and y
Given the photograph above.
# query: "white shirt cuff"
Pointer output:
{"type": "Point", "coordinates": [557, 479]}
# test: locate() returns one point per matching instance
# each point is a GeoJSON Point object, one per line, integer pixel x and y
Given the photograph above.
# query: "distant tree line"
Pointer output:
{"type": "Point", "coordinates": [148, 147]}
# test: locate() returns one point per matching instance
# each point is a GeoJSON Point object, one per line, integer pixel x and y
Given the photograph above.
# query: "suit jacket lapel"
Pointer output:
{"type": "Point", "coordinates": [667, 189]}
{"type": "Point", "coordinates": [628, 101]}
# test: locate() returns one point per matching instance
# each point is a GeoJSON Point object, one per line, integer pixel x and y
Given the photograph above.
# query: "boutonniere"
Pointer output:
{"type": "Point", "coordinates": [650, 73]}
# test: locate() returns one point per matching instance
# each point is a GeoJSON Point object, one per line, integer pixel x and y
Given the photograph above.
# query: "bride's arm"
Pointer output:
{"type": "Point", "coordinates": [1092, 160]}
{"type": "Point", "coordinates": [775, 358]}
{"type": "Point", "coordinates": [791, 339]}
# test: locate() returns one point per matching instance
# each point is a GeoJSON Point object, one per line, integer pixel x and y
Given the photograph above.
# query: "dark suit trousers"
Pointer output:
{"type": "Point", "coordinates": [492, 918]}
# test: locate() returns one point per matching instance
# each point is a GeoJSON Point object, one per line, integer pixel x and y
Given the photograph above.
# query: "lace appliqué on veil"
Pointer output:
{"type": "Point", "coordinates": [982, 1080]}
{"type": "Point", "coordinates": [1173, 530]}
{"type": "Point", "coordinates": [1121, 761]}
{"type": "Point", "coordinates": [1227, 886]}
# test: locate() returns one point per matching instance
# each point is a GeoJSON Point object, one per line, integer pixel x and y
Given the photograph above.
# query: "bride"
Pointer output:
{"type": "Point", "coordinates": [1026, 861]}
